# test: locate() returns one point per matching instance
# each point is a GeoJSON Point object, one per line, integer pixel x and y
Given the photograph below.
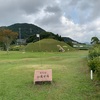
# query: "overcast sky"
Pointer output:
{"type": "Point", "coordinates": [78, 19]}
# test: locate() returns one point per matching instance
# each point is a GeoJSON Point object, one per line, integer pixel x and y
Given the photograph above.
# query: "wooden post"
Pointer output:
{"type": "Point", "coordinates": [91, 75]}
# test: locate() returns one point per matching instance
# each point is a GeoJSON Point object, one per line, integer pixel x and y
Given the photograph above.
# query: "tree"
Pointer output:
{"type": "Point", "coordinates": [94, 40]}
{"type": "Point", "coordinates": [7, 36]}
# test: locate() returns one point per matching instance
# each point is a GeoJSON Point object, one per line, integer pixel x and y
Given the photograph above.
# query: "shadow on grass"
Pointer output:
{"type": "Point", "coordinates": [43, 83]}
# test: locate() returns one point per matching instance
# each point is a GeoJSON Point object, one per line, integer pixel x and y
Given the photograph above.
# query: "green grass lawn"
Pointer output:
{"type": "Point", "coordinates": [71, 77]}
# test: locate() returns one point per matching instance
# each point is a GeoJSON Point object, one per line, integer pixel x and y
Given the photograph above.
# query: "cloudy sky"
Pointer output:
{"type": "Point", "coordinates": [78, 19]}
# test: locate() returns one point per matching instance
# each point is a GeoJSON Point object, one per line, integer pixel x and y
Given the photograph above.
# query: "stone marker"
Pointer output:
{"type": "Point", "coordinates": [43, 76]}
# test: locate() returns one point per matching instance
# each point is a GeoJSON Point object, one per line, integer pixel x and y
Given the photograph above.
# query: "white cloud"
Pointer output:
{"type": "Point", "coordinates": [78, 19]}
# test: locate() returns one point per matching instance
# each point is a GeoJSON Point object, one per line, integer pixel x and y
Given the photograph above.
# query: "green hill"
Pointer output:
{"type": "Point", "coordinates": [48, 45]}
{"type": "Point", "coordinates": [26, 30]}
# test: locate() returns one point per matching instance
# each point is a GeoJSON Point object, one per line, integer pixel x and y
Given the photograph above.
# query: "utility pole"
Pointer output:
{"type": "Point", "coordinates": [30, 30]}
{"type": "Point", "coordinates": [38, 36]}
{"type": "Point", "coordinates": [20, 36]}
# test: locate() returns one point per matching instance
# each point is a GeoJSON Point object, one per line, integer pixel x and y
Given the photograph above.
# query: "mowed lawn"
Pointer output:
{"type": "Point", "coordinates": [71, 77]}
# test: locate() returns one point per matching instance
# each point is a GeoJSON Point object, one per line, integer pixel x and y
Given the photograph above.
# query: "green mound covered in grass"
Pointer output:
{"type": "Point", "coordinates": [48, 45]}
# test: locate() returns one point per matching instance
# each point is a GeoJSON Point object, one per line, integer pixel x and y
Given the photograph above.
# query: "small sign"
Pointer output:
{"type": "Point", "coordinates": [37, 35]}
{"type": "Point", "coordinates": [43, 76]}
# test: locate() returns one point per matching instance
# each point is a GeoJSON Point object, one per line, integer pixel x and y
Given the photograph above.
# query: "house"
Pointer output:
{"type": "Point", "coordinates": [21, 41]}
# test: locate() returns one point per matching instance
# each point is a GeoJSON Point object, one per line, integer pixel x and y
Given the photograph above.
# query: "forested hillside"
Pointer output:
{"type": "Point", "coordinates": [25, 29]}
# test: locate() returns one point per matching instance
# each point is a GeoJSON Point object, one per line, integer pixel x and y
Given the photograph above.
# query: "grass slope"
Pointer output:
{"type": "Point", "coordinates": [47, 45]}
{"type": "Point", "coordinates": [71, 79]}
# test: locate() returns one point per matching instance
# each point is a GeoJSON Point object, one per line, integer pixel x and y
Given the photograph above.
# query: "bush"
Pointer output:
{"type": "Point", "coordinates": [94, 60]}
{"type": "Point", "coordinates": [14, 48]}
{"type": "Point", "coordinates": [98, 73]}
{"type": "Point", "coordinates": [95, 52]}
{"type": "Point", "coordinates": [93, 64]}
{"type": "Point", "coordinates": [17, 48]}
{"type": "Point", "coordinates": [98, 70]}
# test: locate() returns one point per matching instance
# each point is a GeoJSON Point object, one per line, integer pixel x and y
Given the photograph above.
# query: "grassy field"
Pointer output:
{"type": "Point", "coordinates": [71, 79]}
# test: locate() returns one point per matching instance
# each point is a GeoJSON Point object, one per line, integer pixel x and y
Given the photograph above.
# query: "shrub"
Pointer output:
{"type": "Point", "coordinates": [14, 48]}
{"type": "Point", "coordinates": [93, 63]}
{"type": "Point", "coordinates": [94, 60]}
{"type": "Point", "coordinates": [95, 66]}
{"type": "Point", "coordinates": [98, 70]}
{"type": "Point", "coordinates": [95, 52]}
{"type": "Point", "coordinates": [98, 73]}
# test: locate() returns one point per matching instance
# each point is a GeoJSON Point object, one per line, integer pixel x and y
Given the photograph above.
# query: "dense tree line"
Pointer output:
{"type": "Point", "coordinates": [44, 35]}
